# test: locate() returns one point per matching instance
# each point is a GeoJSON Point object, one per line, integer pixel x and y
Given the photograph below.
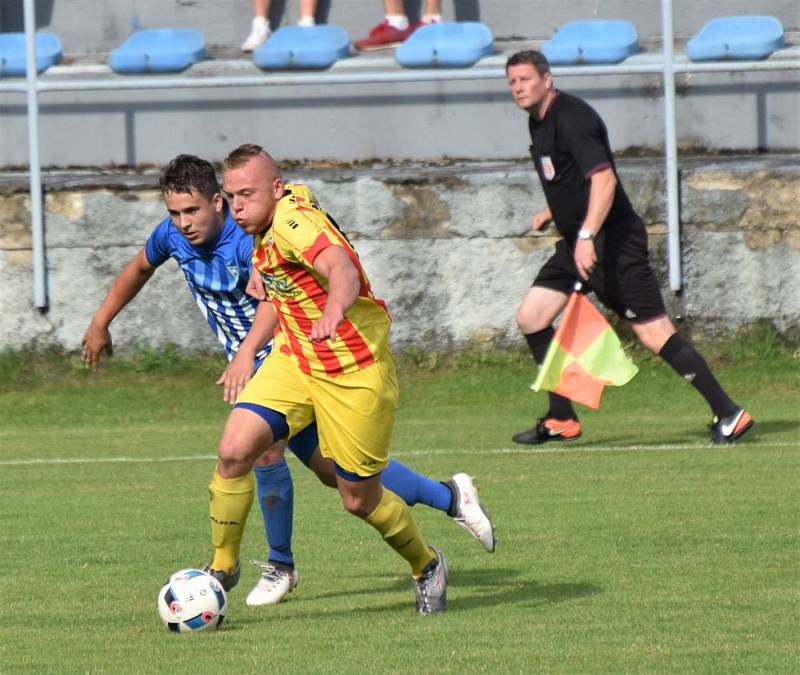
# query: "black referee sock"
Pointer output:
{"type": "Point", "coordinates": [538, 342]}
{"type": "Point", "coordinates": [692, 367]}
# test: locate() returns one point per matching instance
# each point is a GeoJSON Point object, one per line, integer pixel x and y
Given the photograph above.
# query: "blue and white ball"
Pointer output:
{"type": "Point", "coordinates": [191, 601]}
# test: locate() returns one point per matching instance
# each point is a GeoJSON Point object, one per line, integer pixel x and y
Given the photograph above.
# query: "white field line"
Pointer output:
{"type": "Point", "coordinates": [521, 450]}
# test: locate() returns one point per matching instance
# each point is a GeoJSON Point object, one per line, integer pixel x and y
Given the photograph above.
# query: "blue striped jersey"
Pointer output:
{"type": "Point", "coordinates": [217, 274]}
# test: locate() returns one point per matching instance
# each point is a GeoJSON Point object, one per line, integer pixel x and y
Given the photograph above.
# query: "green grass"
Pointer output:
{"type": "Point", "coordinates": [635, 549]}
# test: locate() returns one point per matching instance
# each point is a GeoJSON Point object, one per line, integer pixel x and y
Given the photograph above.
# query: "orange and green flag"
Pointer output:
{"type": "Point", "coordinates": [584, 356]}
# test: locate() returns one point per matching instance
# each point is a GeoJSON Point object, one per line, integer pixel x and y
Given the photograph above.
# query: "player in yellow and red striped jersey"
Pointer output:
{"type": "Point", "coordinates": [284, 257]}
{"type": "Point", "coordinates": [331, 364]}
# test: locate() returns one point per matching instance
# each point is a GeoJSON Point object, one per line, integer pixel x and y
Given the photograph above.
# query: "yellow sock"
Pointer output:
{"type": "Point", "coordinates": [393, 519]}
{"type": "Point", "coordinates": [229, 503]}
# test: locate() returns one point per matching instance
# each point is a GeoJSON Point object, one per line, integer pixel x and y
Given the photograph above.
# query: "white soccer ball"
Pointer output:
{"type": "Point", "coordinates": [191, 601]}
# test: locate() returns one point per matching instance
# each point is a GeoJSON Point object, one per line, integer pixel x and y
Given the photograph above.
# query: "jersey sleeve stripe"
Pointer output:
{"type": "Point", "coordinates": [320, 244]}
{"type": "Point", "coordinates": [597, 169]}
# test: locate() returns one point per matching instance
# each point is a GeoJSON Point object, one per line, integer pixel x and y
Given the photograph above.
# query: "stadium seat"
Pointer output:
{"type": "Point", "coordinates": [736, 37]}
{"type": "Point", "coordinates": [159, 50]}
{"type": "Point", "coordinates": [592, 42]}
{"type": "Point", "coordinates": [303, 47]}
{"type": "Point", "coordinates": [49, 51]}
{"type": "Point", "coordinates": [448, 45]}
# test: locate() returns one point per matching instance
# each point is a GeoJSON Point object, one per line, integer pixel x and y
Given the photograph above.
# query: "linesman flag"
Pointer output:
{"type": "Point", "coordinates": [584, 356]}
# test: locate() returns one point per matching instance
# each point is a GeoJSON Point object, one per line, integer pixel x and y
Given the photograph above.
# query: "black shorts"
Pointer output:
{"type": "Point", "coordinates": [623, 279]}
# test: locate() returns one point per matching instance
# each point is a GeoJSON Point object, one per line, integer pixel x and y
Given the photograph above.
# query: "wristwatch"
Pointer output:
{"type": "Point", "coordinates": [585, 234]}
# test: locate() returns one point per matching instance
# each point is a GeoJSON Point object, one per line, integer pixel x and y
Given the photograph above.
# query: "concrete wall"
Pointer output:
{"type": "Point", "coordinates": [448, 247]}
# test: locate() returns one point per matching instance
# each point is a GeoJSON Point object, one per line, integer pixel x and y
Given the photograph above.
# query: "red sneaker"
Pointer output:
{"type": "Point", "coordinates": [383, 36]}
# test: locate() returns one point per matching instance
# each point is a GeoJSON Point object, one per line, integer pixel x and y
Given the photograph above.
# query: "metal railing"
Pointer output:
{"type": "Point", "coordinates": [667, 66]}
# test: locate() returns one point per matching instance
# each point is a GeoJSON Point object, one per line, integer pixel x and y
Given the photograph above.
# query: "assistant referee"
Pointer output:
{"type": "Point", "coordinates": [604, 244]}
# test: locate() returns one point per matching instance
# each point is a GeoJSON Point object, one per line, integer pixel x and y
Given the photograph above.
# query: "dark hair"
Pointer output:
{"type": "Point", "coordinates": [241, 155]}
{"type": "Point", "coordinates": [532, 58]}
{"type": "Point", "coordinates": [186, 173]}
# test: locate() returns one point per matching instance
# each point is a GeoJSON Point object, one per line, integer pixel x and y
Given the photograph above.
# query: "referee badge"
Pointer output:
{"type": "Point", "coordinates": [548, 169]}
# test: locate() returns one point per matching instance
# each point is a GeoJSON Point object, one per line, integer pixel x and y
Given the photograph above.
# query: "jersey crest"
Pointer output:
{"type": "Point", "coordinates": [548, 170]}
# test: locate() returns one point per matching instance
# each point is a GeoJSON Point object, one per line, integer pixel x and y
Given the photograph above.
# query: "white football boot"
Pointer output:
{"type": "Point", "coordinates": [274, 585]}
{"type": "Point", "coordinates": [469, 513]}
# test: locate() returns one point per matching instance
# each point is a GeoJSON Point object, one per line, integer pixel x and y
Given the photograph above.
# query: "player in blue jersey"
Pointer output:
{"type": "Point", "coordinates": [215, 257]}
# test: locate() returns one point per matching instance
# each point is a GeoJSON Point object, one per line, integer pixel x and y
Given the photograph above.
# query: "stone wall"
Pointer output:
{"type": "Point", "coordinates": [447, 246]}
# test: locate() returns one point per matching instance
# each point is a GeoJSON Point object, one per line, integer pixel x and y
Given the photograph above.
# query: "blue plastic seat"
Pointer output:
{"type": "Point", "coordinates": [158, 50]}
{"type": "Point", "coordinates": [736, 37]}
{"type": "Point", "coordinates": [303, 47]}
{"type": "Point", "coordinates": [447, 44]}
{"type": "Point", "coordinates": [49, 51]}
{"type": "Point", "coordinates": [592, 42]}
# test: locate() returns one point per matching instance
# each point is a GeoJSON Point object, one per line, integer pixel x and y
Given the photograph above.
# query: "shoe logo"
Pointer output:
{"type": "Point", "coordinates": [728, 429]}
{"type": "Point", "coordinates": [630, 314]}
{"type": "Point", "coordinates": [689, 376]}
{"type": "Point", "coordinates": [556, 432]}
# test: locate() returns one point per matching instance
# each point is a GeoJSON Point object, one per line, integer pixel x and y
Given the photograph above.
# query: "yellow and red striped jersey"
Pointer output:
{"type": "Point", "coordinates": [284, 257]}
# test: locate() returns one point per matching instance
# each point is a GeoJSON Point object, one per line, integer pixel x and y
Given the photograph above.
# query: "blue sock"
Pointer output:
{"type": "Point", "coordinates": [276, 497]}
{"type": "Point", "coordinates": [414, 488]}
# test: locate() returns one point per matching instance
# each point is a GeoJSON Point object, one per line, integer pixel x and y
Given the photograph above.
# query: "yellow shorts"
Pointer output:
{"type": "Point", "coordinates": [354, 412]}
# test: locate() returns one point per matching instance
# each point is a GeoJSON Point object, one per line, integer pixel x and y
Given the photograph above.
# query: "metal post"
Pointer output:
{"type": "Point", "coordinates": [37, 225]}
{"type": "Point", "coordinates": [671, 151]}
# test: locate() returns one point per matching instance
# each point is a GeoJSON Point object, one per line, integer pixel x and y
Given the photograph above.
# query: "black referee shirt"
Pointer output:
{"type": "Point", "coordinates": [568, 147]}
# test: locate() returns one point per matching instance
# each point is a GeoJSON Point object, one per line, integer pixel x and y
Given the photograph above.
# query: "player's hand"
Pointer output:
{"type": "Point", "coordinates": [325, 327]}
{"type": "Point", "coordinates": [235, 376]}
{"type": "Point", "coordinates": [255, 287]}
{"type": "Point", "coordinates": [541, 220]}
{"type": "Point", "coordinates": [585, 257]}
{"type": "Point", "coordinates": [95, 340]}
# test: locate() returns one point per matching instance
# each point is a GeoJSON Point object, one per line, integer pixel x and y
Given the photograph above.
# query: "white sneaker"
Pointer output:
{"type": "Point", "coordinates": [258, 34]}
{"type": "Point", "coordinates": [470, 514]}
{"type": "Point", "coordinates": [273, 586]}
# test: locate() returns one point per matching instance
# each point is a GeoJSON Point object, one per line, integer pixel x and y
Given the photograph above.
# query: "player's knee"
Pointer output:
{"type": "Point", "coordinates": [531, 318]}
{"type": "Point", "coordinates": [652, 344]}
{"type": "Point", "coordinates": [356, 505]}
{"type": "Point", "coordinates": [654, 335]}
{"type": "Point", "coordinates": [525, 320]}
{"type": "Point", "coordinates": [522, 323]}
{"type": "Point", "coordinates": [530, 323]}
{"type": "Point", "coordinates": [233, 457]}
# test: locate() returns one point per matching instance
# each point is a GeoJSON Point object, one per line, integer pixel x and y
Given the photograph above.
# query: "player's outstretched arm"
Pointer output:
{"type": "Point", "coordinates": [243, 365]}
{"type": "Point", "coordinates": [344, 282]}
{"type": "Point", "coordinates": [130, 281]}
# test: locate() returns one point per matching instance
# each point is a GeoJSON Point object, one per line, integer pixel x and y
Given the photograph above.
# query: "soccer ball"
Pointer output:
{"type": "Point", "coordinates": [191, 601]}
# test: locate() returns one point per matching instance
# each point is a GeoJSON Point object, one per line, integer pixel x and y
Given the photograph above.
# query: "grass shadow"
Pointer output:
{"type": "Point", "coordinates": [503, 586]}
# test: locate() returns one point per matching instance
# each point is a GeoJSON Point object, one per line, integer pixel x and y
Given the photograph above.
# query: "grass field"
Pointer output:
{"type": "Point", "coordinates": [636, 549]}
